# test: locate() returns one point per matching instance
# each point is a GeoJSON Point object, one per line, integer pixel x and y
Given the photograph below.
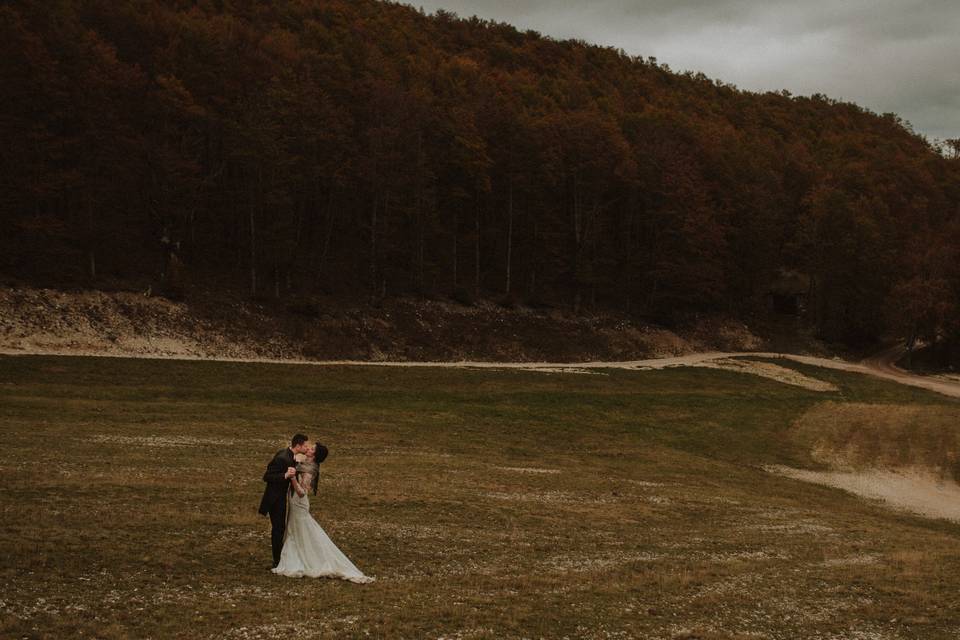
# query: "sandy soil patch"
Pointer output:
{"type": "Point", "coordinates": [770, 371]}
{"type": "Point", "coordinates": [916, 491]}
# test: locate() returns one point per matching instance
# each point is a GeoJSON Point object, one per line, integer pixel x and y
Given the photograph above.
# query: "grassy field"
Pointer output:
{"type": "Point", "coordinates": [488, 504]}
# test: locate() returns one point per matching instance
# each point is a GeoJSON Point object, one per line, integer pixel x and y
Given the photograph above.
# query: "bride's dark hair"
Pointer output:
{"type": "Point", "coordinates": [319, 455]}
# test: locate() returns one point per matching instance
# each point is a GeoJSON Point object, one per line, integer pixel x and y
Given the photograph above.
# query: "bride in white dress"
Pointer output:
{"type": "Point", "coordinates": [307, 550]}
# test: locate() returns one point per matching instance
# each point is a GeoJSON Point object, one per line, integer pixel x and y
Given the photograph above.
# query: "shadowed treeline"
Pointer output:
{"type": "Point", "coordinates": [361, 148]}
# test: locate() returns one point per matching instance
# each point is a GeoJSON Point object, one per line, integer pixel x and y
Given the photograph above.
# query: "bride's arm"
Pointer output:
{"type": "Point", "coordinates": [295, 481]}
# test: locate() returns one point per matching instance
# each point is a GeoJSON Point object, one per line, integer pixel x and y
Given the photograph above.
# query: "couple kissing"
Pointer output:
{"type": "Point", "coordinates": [300, 545]}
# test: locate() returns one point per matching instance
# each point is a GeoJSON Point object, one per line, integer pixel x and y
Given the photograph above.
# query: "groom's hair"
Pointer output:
{"type": "Point", "coordinates": [298, 440]}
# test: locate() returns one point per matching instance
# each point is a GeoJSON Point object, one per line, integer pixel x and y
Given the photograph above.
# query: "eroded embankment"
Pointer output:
{"type": "Point", "coordinates": [44, 321]}
{"type": "Point", "coordinates": [906, 456]}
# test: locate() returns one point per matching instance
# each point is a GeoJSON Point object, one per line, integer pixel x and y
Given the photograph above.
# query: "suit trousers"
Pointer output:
{"type": "Point", "coordinates": [278, 523]}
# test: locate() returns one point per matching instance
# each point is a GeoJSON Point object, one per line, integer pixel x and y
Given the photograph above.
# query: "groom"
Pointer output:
{"type": "Point", "coordinates": [274, 501]}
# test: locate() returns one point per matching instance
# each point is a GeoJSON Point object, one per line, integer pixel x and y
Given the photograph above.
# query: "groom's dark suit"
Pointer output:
{"type": "Point", "coordinates": [274, 499]}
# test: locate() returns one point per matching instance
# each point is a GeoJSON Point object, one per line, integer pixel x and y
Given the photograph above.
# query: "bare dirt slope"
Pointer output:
{"type": "Point", "coordinates": [220, 327]}
{"type": "Point", "coordinates": [915, 490]}
{"type": "Point", "coordinates": [46, 321]}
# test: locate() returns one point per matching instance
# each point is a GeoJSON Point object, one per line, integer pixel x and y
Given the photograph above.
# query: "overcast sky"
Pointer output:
{"type": "Point", "coordinates": [900, 56]}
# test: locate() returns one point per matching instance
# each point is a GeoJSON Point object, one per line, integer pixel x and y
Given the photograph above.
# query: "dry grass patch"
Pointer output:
{"type": "Point", "coordinates": [882, 436]}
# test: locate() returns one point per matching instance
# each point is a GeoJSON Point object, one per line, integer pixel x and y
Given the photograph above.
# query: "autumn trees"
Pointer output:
{"type": "Point", "coordinates": [364, 149]}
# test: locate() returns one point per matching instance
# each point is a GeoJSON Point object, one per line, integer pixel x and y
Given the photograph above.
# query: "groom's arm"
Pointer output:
{"type": "Point", "coordinates": [276, 470]}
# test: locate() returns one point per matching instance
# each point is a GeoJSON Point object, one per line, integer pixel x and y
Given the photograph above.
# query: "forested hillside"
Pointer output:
{"type": "Point", "coordinates": [362, 149]}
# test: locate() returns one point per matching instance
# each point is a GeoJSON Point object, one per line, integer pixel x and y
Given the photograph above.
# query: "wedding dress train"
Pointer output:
{"type": "Point", "coordinates": [308, 550]}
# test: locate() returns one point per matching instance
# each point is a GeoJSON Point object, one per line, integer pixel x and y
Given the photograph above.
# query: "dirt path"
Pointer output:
{"type": "Point", "coordinates": [880, 365]}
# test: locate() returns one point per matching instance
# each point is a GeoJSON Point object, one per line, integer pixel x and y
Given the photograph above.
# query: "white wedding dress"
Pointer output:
{"type": "Point", "coordinates": [307, 550]}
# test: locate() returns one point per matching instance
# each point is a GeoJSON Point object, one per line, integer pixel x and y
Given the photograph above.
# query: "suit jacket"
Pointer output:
{"type": "Point", "coordinates": [277, 485]}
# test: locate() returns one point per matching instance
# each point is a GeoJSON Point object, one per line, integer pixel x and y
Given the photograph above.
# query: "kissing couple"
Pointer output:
{"type": "Point", "coordinates": [300, 545]}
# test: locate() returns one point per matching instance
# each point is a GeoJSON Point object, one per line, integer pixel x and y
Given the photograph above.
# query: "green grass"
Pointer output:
{"type": "Point", "coordinates": [489, 504]}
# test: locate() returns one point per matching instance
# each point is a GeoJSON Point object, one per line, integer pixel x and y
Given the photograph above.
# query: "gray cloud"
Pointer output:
{"type": "Point", "coordinates": [900, 56]}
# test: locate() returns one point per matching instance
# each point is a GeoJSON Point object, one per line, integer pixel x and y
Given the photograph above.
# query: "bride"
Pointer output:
{"type": "Point", "coordinates": [307, 550]}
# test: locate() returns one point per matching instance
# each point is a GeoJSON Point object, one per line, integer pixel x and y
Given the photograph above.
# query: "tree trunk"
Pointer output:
{"type": "Point", "coordinates": [373, 245]}
{"type": "Point", "coordinates": [91, 254]}
{"type": "Point", "coordinates": [420, 232]}
{"type": "Point", "coordinates": [328, 232]}
{"type": "Point", "coordinates": [382, 271]}
{"type": "Point", "coordinates": [253, 254]}
{"type": "Point", "coordinates": [533, 261]}
{"type": "Point", "coordinates": [231, 194]}
{"type": "Point", "coordinates": [420, 249]}
{"type": "Point", "coordinates": [193, 230]}
{"type": "Point", "coordinates": [819, 301]}
{"type": "Point", "coordinates": [629, 262]}
{"type": "Point", "coordinates": [476, 252]}
{"type": "Point", "coordinates": [276, 280]}
{"type": "Point", "coordinates": [911, 343]}
{"type": "Point", "coordinates": [509, 237]}
{"type": "Point", "coordinates": [577, 245]}
{"type": "Point", "coordinates": [253, 234]}
{"type": "Point", "coordinates": [456, 225]}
